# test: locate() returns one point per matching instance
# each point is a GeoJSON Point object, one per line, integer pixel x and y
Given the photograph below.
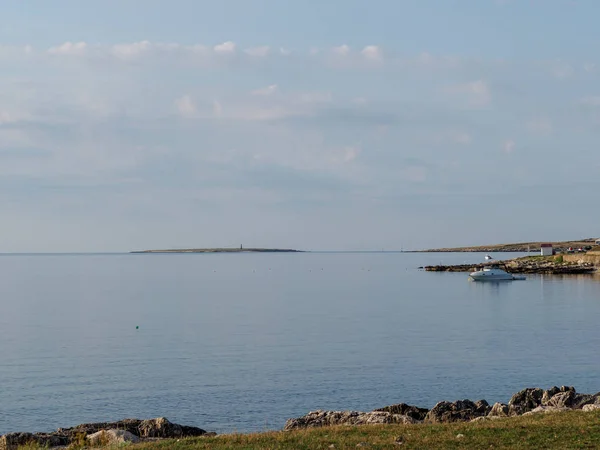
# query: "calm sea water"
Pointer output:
{"type": "Point", "coordinates": [241, 342]}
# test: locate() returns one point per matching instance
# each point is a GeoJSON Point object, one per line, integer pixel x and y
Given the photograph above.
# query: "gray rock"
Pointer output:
{"type": "Point", "coordinates": [549, 393]}
{"type": "Point", "coordinates": [459, 411]}
{"type": "Point", "coordinates": [499, 410]}
{"type": "Point", "coordinates": [546, 410]}
{"type": "Point", "coordinates": [566, 396]}
{"type": "Point", "coordinates": [406, 410]}
{"type": "Point", "coordinates": [321, 418]}
{"type": "Point", "coordinates": [526, 400]}
{"type": "Point", "coordinates": [160, 428]}
{"type": "Point", "coordinates": [112, 437]}
{"type": "Point", "coordinates": [481, 419]}
{"type": "Point", "coordinates": [589, 408]}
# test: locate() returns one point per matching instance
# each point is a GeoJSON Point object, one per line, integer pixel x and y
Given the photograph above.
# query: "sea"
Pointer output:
{"type": "Point", "coordinates": [241, 342]}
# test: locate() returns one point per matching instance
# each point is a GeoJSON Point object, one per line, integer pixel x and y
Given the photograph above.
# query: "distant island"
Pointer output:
{"type": "Point", "coordinates": [518, 247]}
{"type": "Point", "coordinates": [222, 250]}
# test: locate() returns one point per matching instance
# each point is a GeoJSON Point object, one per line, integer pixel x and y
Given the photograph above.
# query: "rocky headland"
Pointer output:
{"type": "Point", "coordinates": [526, 402]}
{"type": "Point", "coordinates": [554, 265]}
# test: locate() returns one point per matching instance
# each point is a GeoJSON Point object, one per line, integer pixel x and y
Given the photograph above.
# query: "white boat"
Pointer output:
{"type": "Point", "coordinates": [488, 257]}
{"type": "Point", "coordinates": [494, 273]}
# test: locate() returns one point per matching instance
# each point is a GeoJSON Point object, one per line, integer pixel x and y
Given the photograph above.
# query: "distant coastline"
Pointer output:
{"type": "Point", "coordinates": [515, 247]}
{"type": "Point", "coordinates": [222, 250]}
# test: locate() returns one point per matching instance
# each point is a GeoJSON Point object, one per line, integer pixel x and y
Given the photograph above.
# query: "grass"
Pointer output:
{"type": "Point", "coordinates": [568, 430]}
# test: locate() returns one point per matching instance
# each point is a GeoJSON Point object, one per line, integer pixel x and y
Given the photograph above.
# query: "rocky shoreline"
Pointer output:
{"type": "Point", "coordinates": [525, 265]}
{"type": "Point", "coordinates": [104, 433]}
{"type": "Point", "coordinates": [525, 402]}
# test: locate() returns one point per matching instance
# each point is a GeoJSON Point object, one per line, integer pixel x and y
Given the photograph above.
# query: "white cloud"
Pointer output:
{"type": "Point", "coordinates": [314, 97]}
{"type": "Point", "coordinates": [448, 136]}
{"type": "Point", "coordinates": [225, 48]}
{"type": "Point", "coordinates": [259, 52]}
{"type": "Point", "coordinates": [416, 174]}
{"type": "Point", "coordinates": [135, 49]}
{"type": "Point", "coordinates": [590, 67]}
{"type": "Point", "coordinates": [6, 117]}
{"type": "Point", "coordinates": [69, 48]}
{"type": "Point", "coordinates": [562, 70]}
{"type": "Point", "coordinates": [186, 107]}
{"type": "Point", "coordinates": [342, 50]}
{"type": "Point", "coordinates": [359, 101]}
{"type": "Point", "coordinates": [477, 92]}
{"type": "Point", "coordinates": [508, 146]}
{"type": "Point", "coordinates": [217, 109]}
{"type": "Point", "coordinates": [344, 155]}
{"type": "Point", "coordinates": [269, 90]}
{"type": "Point", "coordinates": [372, 52]}
{"type": "Point", "coordinates": [425, 59]}
{"type": "Point", "coordinates": [463, 138]}
{"type": "Point", "coordinates": [350, 153]}
{"type": "Point", "coordinates": [264, 104]}
{"type": "Point", "coordinates": [540, 126]}
{"type": "Point", "coordinates": [593, 100]}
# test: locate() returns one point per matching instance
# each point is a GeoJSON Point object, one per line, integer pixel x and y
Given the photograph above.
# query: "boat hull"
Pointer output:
{"type": "Point", "coordinates": [491, 277]}
{"type": "Point", "coordinates": [493, 274]}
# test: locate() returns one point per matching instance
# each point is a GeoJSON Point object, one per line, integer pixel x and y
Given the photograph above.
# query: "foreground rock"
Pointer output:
{"type": "Point", "coordinates": [406, 410]}
{"type": "Point", "coordinates": [327, 418]}
{"type": "Point", "coordinates": [526, 402]}
{"type": "Point", "coordinates": [459, 411]}
{"type": "Point", "coordinates": [128, 430]}
{"type": "Point", "coordinates": [112, 437]}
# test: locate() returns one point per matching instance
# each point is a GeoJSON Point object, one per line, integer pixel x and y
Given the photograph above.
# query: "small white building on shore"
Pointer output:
{"type": "Point", "coordinates": [546, 250]}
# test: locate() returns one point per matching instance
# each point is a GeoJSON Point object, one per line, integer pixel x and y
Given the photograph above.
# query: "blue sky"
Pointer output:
{"type": "Point", "coordinates": [317, 125]}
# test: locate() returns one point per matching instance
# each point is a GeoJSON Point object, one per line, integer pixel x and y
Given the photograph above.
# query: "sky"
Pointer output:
{"type": "Point", "coordinates": [315, 125]}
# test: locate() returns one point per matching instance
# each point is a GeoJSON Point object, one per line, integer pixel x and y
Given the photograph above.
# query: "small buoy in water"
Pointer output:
{"type": "Point", "coordinates": [137, 327]}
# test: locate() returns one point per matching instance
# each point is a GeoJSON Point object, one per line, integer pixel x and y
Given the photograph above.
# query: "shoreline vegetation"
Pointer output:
{"type": "Point", "coordinates": [558, 417]}
{"type": "Point", "coordinates": [222, 250]}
